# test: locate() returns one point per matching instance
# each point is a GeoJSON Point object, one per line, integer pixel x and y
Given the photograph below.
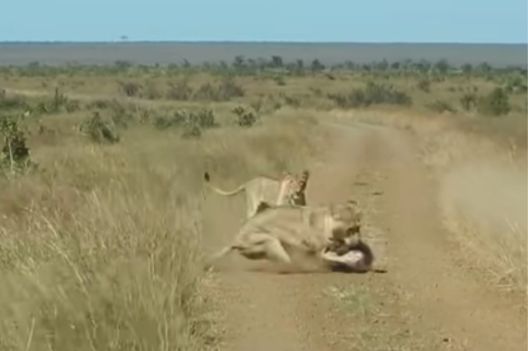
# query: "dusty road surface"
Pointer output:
{"type": "Point", "coordinates": [425, 301]}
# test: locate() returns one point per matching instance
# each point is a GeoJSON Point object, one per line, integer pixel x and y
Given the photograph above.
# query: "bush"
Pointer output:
{"type": "Point", "coordinates": [99, 129]}
{"type": "Point", "coordinates": [372, 94]}
{"type": "Point", "coordinates": [151, 91]}
{"type": "Point", "coordinates": [468, 101]}
{"type": "Point", "coordinates": [228, 89]}
{"type": "Point", "coordinates": [122, 115]}
{"type": "Point", "coordinates": [424, 85]}
{"type": "Point", "coordinates": [245, 118]}
{"type": "Point", "coordinates": [495, 103]}
{"type": "Point", "coordinates": [441, 106]}
{"type": "Point", "coordinates": [204, 118]}
{"type": "Point", "coordinates": [178, 119]}
{"type": "Point", "coordinates": [12, 102]}
{"type": "Point", "coordinates": [356, 98]}
{"type": "Point", "coordinates": [179, 90]}
{"type": "Point", "coordinates": [206, 92]}
{"type": "Point", "coordinates": [279, 80]}
{"type": "Point", "coordinates": [130, 89]}
{"type": "Point", "coordinates": [224, 91]}
{"type": "Point", "coordinates": [190, 121]}
{"type": "Point", "coordinates": [291, 100]}
{"type": "Point", "coordinates": [385, 94]}
{"type": "Point", "coordinates": [72, 106]}
{"type": "Point", "coordinates": [15, 152]}
{"type": "Point", "coordinates": [516, 84]}
{"type": "Point", "coordinates": [59, 100]}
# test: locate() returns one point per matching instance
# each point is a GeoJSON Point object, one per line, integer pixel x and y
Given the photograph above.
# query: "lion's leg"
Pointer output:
{"type": "Point", "coordinates": [283, 190]}
{"type": "Point", "coordinates": [275, 251]}
{"type": "Point", "coordinates": [263, 246]}
{"type": "Point", "coordinates": [218, 255]}
{"type": "Point", "coordinates": [251, 210]}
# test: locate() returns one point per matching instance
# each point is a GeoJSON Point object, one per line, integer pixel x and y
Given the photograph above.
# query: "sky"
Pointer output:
{"type": "Point", "coordinates": [465, 21]}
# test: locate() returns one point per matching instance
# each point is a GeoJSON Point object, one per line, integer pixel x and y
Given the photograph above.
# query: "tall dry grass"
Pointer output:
{"type": "Point", "coordinates": [101, 250]}
{"type": "Point", "coordinates": [484, 204]}
{"type": "Point", "coordinates": [483, 188]}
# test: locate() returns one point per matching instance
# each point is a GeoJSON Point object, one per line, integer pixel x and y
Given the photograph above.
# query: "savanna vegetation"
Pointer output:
{"type": "Point", "coordinates": [100, 188]}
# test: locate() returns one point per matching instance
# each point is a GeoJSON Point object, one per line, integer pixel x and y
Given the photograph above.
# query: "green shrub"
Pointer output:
{"type": "Point", "coordinates": [372, 94]}
{"type": "Point", "coordinates": [15, 152]}
{"type": "Point", "coordinates": [100, 130]}
{"type": "Point", "coordinates": [495, 103]}
{"type": "Point", "coordinates": [468, 101]}
{"type": "Point", "coordinates": [516, 84]}
{"type": "Point", "coordinates": [245, 117]}
{"type": "Point", "coordinates": [203, 118]}
{"type": "Point", "coordinates": [178, 119]}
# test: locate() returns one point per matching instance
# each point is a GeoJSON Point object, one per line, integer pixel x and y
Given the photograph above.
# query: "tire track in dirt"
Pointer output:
{"type": "Point", "coordinates": [425, 301]}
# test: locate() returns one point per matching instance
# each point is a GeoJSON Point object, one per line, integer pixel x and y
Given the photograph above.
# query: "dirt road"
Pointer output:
{"type": "Point", "coordinates": [426, 300]}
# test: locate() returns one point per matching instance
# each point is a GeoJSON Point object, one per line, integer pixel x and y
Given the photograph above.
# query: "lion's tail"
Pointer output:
{"type": "Point", "coordinates": [207, 179]}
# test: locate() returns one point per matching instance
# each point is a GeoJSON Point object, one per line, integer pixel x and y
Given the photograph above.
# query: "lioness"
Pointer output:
{"type": "Point", "coordinates": [276, 232]}
{"type": "Point", "coordinates": [289, 190]}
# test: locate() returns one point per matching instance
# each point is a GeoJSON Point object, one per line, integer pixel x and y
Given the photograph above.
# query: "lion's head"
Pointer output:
{"type": "Point", "coordinates": [345, 223]}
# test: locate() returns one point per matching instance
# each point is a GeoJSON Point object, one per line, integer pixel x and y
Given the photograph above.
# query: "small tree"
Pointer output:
{"type": "Point", "coordinates": [484, 68]}
{"type": "Point", "coordinates": [467, 68]}
{"type": "Point", "coordinates": [239, 62]}
{"type": "Point", "coordinates": [15, 153]}
{"type": "Point", "coordinates": [442, 66]}
{"type": "Point", "coordinates": [276, 61]}
{"type": "Point", "coordinates": [317, 66]}
{"type": "Point", "coordinates": [99, 129]}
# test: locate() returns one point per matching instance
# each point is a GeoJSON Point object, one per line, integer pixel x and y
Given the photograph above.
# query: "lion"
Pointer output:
{"type": "Point", "coordinates": [275, 233]}
{"type": "Point", "coordinates": [265, 190]}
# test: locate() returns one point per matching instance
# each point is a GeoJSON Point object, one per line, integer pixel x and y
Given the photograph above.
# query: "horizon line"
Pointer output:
{"type": "Point", "coordinates": [127, 41]}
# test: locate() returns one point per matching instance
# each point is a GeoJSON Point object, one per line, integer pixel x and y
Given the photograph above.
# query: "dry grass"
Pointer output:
{"type": "Point", "coordinates": [484, 205]}
{"type": "Point", "coordinates": [102, 248]}
{"type": "Point", "coordinates": [483, 185]}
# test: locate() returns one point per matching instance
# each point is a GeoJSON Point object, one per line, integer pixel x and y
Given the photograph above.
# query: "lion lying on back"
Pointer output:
{"type": "Point", "coordinates": [328, 234]}
{"type": "Point", "coordinates": [264, 190]}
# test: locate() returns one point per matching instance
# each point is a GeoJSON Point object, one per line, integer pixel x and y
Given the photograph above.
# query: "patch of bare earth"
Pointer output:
{"type": "Point", "coordinates": [425, 301]}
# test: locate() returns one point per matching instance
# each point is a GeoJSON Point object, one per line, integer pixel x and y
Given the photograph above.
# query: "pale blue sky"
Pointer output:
{"type": "Point", "coordinates": [497, 21]}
